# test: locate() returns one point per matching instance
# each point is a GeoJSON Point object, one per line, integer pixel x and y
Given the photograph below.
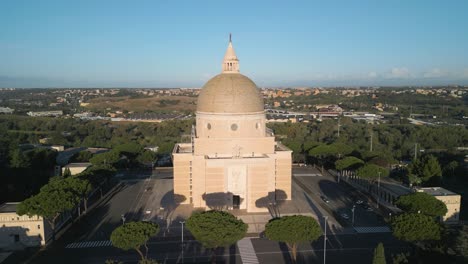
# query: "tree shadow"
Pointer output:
{"type": "Point", "coordinates": [220, 200]}
{"type": "Point", "coordinates": [285, 252]}
{"type": "Point", "coordinates": [272, 201]}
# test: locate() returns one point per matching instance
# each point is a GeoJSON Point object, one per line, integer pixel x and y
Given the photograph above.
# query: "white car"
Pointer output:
{"type": "Point", "coordinates": [345, 216]}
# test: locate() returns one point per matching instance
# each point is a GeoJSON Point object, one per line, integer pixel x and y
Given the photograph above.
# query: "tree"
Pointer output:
{"type": "Point", "coordinates": [134, 235]}
{"type": "Point", "coordinates": [428, 169]}
{"type": "Point", "coordinates": [420, 202]}
{"type": "Point", "coordinates": [66, 172]}
{"type": "Point", "coordinates": [461, 243]}
{"type": "Point", "coordinates": [111, 158]}
{"type": "Point", "coordinates": [348, 163]}
{"type": "Point", "coordinates": [215, 229]}
{"type": "Point", "coordinates": [379, 255]}
{"type": "Point", "coordinates": [292, 230]}
{"type": "Point", "coordinates": [415, 227]}
{"type": "Point", "coordinates": [146, 157]}
{"type": "Point", "coordinates": [371, 171]}
{"type": "Point", "coordinates": [18, 159]}
{"type": "Point", "coordinates": [53, 199]}
{"type": "Point", "coordinates": [81, 187]}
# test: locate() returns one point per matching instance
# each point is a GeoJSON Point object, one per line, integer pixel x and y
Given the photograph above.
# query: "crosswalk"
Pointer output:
{"type": "Point", "coordinates": [372, 229]}
{"type": "Point", "coordinates": [90, 244]}
{"type": "Point", "coordinates": [247, 251]}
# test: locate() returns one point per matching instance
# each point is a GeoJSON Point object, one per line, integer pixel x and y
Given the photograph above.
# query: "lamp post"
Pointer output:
{"type": "Point", "coordinates": [354, 207]}
{"type": "Point", "coordinates": [378, 192]}
{"type": "Point", "coordinates": [325, 240]}
{"type": "Point", "coordinates": [123, 219]}
{"type": "Point", "coordinates": [182, 223]}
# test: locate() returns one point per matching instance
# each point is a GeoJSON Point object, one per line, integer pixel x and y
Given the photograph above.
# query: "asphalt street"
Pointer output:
{"type": "Point", "coordinates": [340, 196]}
{"type": "Point", "coordinates": [143, 196]}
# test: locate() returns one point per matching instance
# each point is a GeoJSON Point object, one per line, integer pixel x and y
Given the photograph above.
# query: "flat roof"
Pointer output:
{"type": "Point", "coordinates": [436, 191]}
{"type": "Point", "coordinates": [8, 207]}
{"type": "Point", "coordinates": [80, 164]}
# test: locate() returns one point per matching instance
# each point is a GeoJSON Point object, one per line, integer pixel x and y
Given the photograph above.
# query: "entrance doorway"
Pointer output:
{"type": "Point", "coordinates": [235, 201]}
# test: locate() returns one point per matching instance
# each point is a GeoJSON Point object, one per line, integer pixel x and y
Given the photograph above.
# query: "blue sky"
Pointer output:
{"type": "Point", "coordinates": [279, 43]}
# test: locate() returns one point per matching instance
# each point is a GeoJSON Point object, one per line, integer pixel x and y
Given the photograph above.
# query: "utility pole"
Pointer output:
{"type": "Point", "coordinates": [415, 151]}
{"type": "Point", "coordinates": [182, 223]}
{"type": "Point", "coordinates": [339, 127]}
{"type": "Point", "coordinates": [325, 241]}
{"type": "Point", "coordinates": [354, 207]}
{"type": "Point", "coordinates": [378, 192]}
{"type": "Point", "coordinates": [371, 138]}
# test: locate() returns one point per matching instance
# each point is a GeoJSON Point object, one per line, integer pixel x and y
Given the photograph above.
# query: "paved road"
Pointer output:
{"type": "Point", "coordinates": [136, 196]}
{"type": "Point", "coordinates": [341, 198]}
{"type": "Point", "coordinates": [357, 248]}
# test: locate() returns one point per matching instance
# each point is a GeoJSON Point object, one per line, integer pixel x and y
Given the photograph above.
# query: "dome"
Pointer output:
{"type": "Point", "coordinates": [230, 93]}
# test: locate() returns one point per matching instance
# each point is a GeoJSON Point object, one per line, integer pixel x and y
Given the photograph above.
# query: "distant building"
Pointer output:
{"type": "Point", "coordinates": [58, 147]}
{"type": "Point", "coordinates": [450, 199]}
{"type": "Point", "coordinates": [6, 110]}
{"type": "Point", "coordinates": [17, 232]}
{"type": "Point", "coordinates": [76, 168]}
{"type": "Point", "coordinates": [46, 113]}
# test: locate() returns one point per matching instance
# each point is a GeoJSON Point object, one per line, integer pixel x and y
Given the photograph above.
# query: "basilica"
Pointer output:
{"type": "Point", "coordinates": [232, 161]}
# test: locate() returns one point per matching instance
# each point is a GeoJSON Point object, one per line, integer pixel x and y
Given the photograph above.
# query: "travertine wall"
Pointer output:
{"type": "Point", "coordinates": [32, 231]}
{"type": "Point", "coordinates": [453, 207]}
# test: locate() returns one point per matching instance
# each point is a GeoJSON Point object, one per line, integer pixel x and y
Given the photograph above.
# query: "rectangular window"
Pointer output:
{"type": "Point", "coordinates": [38, 226]}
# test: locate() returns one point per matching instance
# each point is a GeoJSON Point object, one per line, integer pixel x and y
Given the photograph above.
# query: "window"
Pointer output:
{"type": "Point", "coordinates": [38, 226]}
{"type": "Point", "coordinates": [234, 127]}
{"type": "Point", "coordinates": [208, 126]}
{"type": "Point", "coordinates": [257, 126]}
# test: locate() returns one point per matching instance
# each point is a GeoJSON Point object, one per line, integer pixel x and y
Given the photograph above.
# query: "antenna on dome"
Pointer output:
{"type": "Point", "coordinates": [229, 37]}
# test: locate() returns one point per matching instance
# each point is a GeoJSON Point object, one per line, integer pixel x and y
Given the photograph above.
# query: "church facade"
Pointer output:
{"type": "Point", "coordinates": [232, 161]}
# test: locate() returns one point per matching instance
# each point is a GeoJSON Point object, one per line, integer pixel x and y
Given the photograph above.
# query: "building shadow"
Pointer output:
{"type": "Point", "coordinates": [169, 204]}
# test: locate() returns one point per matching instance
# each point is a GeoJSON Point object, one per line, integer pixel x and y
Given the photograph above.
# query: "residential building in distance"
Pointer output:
{"type": "Point", "coordinates": [46, 113]}
{"type": "Point", "coordinates": [6, 110]}
{"type": "Point", "coordinates": [450, 199]}
{"type": "Point", "coordinates": [233, 160]}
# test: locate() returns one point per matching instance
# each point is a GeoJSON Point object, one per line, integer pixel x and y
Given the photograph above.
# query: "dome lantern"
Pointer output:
{"type": "Point", "coordinates": [230, 62]}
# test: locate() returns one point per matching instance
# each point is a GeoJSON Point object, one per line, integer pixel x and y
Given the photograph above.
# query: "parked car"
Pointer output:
{"type": "Point", "coordinates": [325, 199]}
{"type": "Point", "coordinates": [359, 202]}
{"type": "Point", "coordinates": [345, 216]}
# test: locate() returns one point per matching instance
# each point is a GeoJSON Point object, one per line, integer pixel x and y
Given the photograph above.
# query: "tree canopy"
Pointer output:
{"type": "Point", "coordinates": [292, 230]}
{"type": "Point", "coordinates": [216, 228]}
{"type": "Point", "coordinates": [413, 227]}
{"type": "Point", "coordinates": [53, 199]}
{"type": "Point", "coordinates": [423, 203]}
{"type": "Point", "coordinates": [371, 171]}
{"type": "Point", "coordinates": [348, 163]}
{"type": "Point", "coordinates": [133, 235]}
{"type": "Point", "coordinates": [334, 149]}
{"type": "Point", "coordinates": [111, 157]}
{"type": "Point", "coordinates": [428, 170]}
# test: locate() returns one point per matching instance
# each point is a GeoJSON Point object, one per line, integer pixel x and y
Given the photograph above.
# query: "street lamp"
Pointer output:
{"type": "Point", "coordinates": [390, 216]}
{"type": "Point", "coordinates": [378, 192]}
{"type": "Point", "coordinates": [182, 223]}
{"type": "Point", "coordinates": [123, 219]}
{"type": "Point", "coordinates": [354, 207]}
{"type": "Point", "coordinates": [325, 217]}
